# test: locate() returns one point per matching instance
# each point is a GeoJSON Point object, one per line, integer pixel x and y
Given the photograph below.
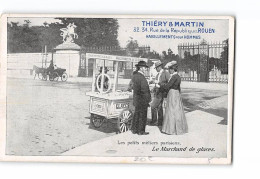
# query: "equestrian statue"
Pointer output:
{"type": "Point", "coordinates": [68, 34]}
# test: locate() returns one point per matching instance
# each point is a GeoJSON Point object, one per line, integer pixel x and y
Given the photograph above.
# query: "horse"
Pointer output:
{"type": "Point", "coordinates": [38, 71]}
{"type": "Point", "coordinates": [71, 30]}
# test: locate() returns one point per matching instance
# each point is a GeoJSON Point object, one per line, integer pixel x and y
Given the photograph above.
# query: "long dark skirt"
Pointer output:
{"type": "Point", "coordinates": [174, 118]}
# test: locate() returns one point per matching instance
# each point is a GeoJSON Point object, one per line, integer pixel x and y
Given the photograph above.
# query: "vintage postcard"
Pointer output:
{"type": "Point", "coordinates": [116, 88]}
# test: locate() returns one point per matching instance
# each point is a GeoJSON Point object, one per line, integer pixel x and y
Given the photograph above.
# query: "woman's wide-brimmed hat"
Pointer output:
{"type": "Point", "coordinates": [171, 64]}
{"type": "Point", "coordinates": [158, 64]}
{"type": "Point", "coordinates": [141, 64]}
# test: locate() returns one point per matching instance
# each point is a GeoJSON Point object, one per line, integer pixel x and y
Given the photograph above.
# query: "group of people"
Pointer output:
{"type": "Point", "coordinates": [166, 86]}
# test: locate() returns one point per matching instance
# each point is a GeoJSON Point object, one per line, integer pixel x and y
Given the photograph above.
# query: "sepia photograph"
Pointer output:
{"type": "Point", "coordinates": [117, 88]}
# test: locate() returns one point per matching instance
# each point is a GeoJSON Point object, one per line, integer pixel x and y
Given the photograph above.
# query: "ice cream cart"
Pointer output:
{"type": "Point", "coordinates": [110, 104]}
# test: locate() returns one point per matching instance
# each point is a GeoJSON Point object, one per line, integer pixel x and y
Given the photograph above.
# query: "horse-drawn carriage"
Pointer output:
{"type": "Point", "coordinates": [53, 74]}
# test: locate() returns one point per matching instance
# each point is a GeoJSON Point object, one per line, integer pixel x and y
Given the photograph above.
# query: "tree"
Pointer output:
{"type": "Point", "coordinates": [169, 56]}
{"type": "Point", "coordinates": [91, 32]}
{"type": "Point", "coordinates": [94, 31]}
{"type": "Point", "coordinates": [152, 55]}
{"type": "Point", "coordinates": [49, 35]}
{"type": "Point", "coordinates": [21, 38]}
{"type": "Point", "coordinates": [132, 48]}
{"type": "Point", "coordinates": [214, 62]}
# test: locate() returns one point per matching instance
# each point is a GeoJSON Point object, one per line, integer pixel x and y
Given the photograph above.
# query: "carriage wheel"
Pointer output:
{"type": "Point", "coordinates": [55, 76]}
{"type": "Point", "coordinates": [125, 119]}
{"type": "Point", "coordinates": [96, 120]}
{"type": "Point", "coordinates": [64, 77]}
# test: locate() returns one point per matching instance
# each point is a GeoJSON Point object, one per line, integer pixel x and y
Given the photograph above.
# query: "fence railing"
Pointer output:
{"type": "Point", "coordinates": [214, 75]}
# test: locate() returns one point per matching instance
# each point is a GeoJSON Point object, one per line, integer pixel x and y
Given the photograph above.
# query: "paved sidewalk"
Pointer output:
{"type": "Point", "coordinates": [215, 103]}
{"type": "Point", "coordinates": [204, 134]}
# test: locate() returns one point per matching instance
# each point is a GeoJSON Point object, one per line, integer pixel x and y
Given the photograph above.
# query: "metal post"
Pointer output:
{"type": "Point", "coordinates": [52, 56]}
{"type": "Point", "coordinates": [45, 56]}
{"type": "Point", "coordinates": [42, 57]}
{"type": "Point", "coordinates": [94, 75]}
{"type": "Point", "coordinates": [86, 67]}
{"type": "Point", "coordinates": [115, 77]}
{"type": "Point", "coordinates": [102, 77]}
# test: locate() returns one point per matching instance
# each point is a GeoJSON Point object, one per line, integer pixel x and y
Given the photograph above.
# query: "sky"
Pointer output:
{"type": "Point", "coordinates": [34, 21]}
{"type": "Point", "coordinates": [126, 30]}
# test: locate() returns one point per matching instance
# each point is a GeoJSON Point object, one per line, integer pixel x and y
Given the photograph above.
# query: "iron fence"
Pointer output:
{"type": "Point", "coordinates": [204, 62]}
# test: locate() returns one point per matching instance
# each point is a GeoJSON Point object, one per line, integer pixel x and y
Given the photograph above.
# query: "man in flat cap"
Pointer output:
{"type": "Point", "coordinates": [163, 76]}
{"type": "Point", "coordinates": [141, 99]}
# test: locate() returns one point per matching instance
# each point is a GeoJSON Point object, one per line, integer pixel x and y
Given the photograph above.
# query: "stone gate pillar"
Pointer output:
{"type": "Point", "coordinates": [67, 55]}
{"type": "Point", "coordinates": [203, 61]}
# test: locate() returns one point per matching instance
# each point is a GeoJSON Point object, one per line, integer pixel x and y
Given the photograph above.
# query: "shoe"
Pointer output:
{"type": "Point", "coordinates": [143, 133]}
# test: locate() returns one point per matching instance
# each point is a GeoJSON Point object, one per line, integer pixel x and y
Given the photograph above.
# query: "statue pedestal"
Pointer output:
{"type": "Point", "coordinates": [67, 56]}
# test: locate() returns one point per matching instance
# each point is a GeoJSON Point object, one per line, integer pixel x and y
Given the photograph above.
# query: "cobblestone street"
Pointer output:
{"type": "Point", "coordinates": [49, 118]}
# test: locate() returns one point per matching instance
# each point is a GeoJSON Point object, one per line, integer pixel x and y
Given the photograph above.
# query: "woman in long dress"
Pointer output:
{"type": "Point", "coordinates": [174, 122]}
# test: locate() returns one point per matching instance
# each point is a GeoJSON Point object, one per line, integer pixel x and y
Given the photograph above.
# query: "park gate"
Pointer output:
{"type": "Point", "coordinates": [204, 62]}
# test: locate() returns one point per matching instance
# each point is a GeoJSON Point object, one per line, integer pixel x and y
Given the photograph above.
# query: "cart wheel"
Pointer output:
{"type": "Point", "coordinates": [125, 119]}
{"type": "Point", "coordinates": [64, 77]}
{"type": "Point", "coordinates": [96, 120]}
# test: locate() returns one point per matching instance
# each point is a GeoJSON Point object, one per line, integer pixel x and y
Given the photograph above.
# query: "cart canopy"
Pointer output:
{"type": "Point", "coordinates": [115, 58]}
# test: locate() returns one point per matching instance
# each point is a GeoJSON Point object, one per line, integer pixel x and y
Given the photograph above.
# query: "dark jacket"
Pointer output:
{"type": "Point", "coordinates": [164, 78]}
{"type": "Point", "coordinates": [174, 83]}
{"type": "Point", "coordinates": [130, 85]}
{"type": "Point", "coordinates": [141, 94]}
